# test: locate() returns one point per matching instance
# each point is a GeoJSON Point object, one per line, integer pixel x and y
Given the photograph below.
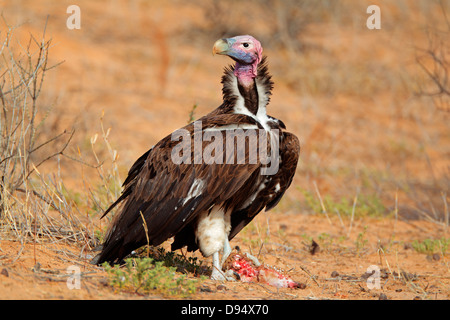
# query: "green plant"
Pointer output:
{"type": "Point", "coordinates": [367, 205]}
{"type": "Point", "coordinates": [144, 275]}
{"type": "Point", "coordinates": [431, 246]}
{"type": "Point", "coordinates": [179, 262]}
{"type": "Point", "coordinates": [325, 240]}
{"type": "Point", "coordinates": [361, 241]}
{"type": "Point", "coordinates": [192, 114]}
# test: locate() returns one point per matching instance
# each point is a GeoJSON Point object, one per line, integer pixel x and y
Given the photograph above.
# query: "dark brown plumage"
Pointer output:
{"type": "Point", "coordinates": [175, 199]}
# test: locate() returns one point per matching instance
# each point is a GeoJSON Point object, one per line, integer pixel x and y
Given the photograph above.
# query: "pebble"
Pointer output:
{"type": "Point", "coordinates": [334, 274]}
{"type": "Point", "coordinates": [383, 297]}
{"type": "Point", "coordinates": [4, 272]}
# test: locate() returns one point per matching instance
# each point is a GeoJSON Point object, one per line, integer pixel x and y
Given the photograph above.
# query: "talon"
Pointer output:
{"type": "Point", "coordinates": [231, 275]}
{"type": "Point", "coordinates": [218, 275]}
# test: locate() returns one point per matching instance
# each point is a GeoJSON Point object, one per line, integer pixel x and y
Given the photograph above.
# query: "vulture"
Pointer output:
{"type": "Point", "coordinates": [205, 182]}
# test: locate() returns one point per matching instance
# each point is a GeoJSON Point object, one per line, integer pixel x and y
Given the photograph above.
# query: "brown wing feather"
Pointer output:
{"type": "Point", "coordinates": [275, 186]}
{"type": "Point", "coordinates": [158, 188]}
{"type": "Point", "coordinates": [289, 152]}
{"type": "Point", "coordinates": [267, 198]}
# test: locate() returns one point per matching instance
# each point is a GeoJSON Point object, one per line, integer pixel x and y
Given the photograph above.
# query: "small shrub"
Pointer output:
{"type": "Point", "coordinates": [431, 246]}
{"type": "Point", "coordinates": [179, 262]}
{"type": "Point", "coordinates": [145, 275]}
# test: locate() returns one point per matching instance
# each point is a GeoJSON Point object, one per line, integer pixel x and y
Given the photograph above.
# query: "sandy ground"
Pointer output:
{"type": "Point", "coordinates": [336, 271]}
{"type": "Point", "coordinates": [145, 64]}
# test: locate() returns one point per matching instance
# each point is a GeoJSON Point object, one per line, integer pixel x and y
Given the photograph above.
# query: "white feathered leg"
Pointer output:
{"type": "Point", "coordinates": [211, 234]}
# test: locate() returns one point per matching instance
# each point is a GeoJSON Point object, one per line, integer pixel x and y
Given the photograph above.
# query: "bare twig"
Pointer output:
{"type": "Point", "coordinates": [435, 63]}
{"type": "Point", "coordinates": [324, 211]}
{"type": "Point", "coordinates": [353, 213]}
{"type": "Point", "coordinates": [310, 275]}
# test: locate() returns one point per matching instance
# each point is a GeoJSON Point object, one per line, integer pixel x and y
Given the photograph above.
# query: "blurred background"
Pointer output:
{"type": "Point", "coordinates": [369, 106]}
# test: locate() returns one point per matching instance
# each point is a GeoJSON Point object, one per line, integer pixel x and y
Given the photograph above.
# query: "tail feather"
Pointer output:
{"type": "Point", "coordinates": [110, 253]}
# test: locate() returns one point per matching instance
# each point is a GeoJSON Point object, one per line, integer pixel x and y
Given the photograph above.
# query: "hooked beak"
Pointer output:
{"type": "Point", "coordinates": [221, 47]}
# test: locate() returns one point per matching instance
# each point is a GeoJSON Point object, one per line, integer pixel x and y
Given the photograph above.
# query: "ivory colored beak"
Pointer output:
{"type": "Point", "coordinates": [220, 47]}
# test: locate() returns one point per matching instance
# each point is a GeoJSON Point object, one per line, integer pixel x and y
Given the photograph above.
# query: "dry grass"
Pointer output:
{"type": "Point", "coordinates": [26, 196]}
{"type": "Point", "coordinates": [36, 207]}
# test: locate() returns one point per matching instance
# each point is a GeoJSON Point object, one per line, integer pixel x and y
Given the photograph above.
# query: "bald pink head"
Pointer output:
{"type": "Point", "coordinates": [246, 51]}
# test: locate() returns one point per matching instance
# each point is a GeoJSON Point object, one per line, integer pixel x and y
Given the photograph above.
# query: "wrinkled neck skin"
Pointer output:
{"type": "Point", "coordinates": [245, 74]}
